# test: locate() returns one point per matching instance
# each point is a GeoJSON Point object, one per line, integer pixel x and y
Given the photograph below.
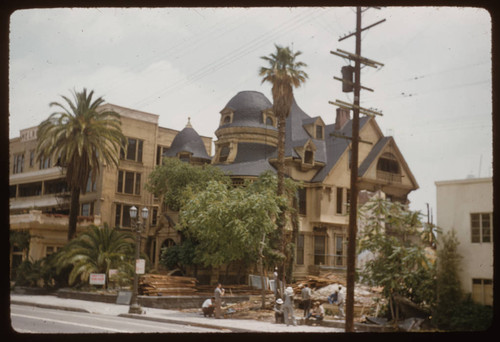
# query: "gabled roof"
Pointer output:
{"type": "Point", "coordinates": [335, 146]}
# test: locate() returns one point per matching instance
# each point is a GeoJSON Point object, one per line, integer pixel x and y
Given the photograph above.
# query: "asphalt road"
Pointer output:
{"type": "Point", "coordinates": [28, 319]}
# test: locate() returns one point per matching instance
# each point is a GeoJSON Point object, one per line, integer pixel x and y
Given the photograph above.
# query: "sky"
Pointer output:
{"type": "Point", "coordinates": [434, 88]}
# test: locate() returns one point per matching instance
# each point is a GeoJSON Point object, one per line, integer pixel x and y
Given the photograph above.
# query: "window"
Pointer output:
{"type": "Point", "coordinates": [160, 151]}
{"type": "Point", "coordinates": [32, 158]}
{"type": "Point", "coordinates": [154, 217]}
{"type": "Point", "coordinates": [30, 189]}
{"type": "Point", "coordinates": [340, 199]}
{"type": "Point", "coordinates": [269, 121]}
{"type": "Point", "coordinates": [91, 186]}
{"type": "Point", "coordinates": [308, 157]}
{"type": "Point", "coordinates": [480, 227]}
{"type": "Point", "coordinates": [87, 209]}
{"type": "Point", "coordinates": [339, 250]}
{"type": "Point", "coordinates": [122, 215]}
{"type": "Point", "coordinates": [388, 163]}
{"type": "Point", "coordinates": [18, 163]}
{"type": "Point", "coordinates": [224, 153]}
{"type": "Point", "coordinates": [482, 291]}
{"type": "Point", "coordinates": [129, 183]}
{"type": "Point", "coordinates": [56, 186]}
{"type": "Point", "coordinates": [319, 249]}
{"type": "Point", "coordinates": [319, 132]}
{"type": "Point", "coordinates": [44, 163]}
{"type": "Point", "coordinates": [227, 119]}
{"type": "Point", "coordinates": [300, 249]}
{"type": "Point", "coordinates": [301, 194]}
{"type": "Point", "coordinates": [134, 150]}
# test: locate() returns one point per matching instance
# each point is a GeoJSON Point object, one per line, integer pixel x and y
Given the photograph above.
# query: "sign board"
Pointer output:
{"type": "Point", "coordinates": [124, 297]}
{"type": "Point", "coordinates": [112, 272]}
{"type": "Point", "coordinates": [97, 279]}
{"type": "Point", "coordinates": [140, 266]}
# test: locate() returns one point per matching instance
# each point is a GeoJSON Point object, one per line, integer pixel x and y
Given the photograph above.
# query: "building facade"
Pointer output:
{"type": "Point", "coordinates": [316, 154]}
{"type": "Point", "coordinates": [466, 206]}
{"type": "Point", "coordinates": [39, 198]}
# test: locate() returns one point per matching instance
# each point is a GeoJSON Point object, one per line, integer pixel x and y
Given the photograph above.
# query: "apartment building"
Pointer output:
{"type": "Point", "coordinates": [39, 198]}
{"type": "Point", "coordinates": [466, 206]}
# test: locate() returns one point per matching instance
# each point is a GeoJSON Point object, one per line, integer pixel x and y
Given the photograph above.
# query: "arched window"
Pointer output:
{"type": "Point", "coordinates": [224, 153]}
{"type": "Point", "coordinates": [227, 119]}
{"type": "Point", "coordinates": [388, 163]}
{"type": "Point", "coordinates": [269, 121]}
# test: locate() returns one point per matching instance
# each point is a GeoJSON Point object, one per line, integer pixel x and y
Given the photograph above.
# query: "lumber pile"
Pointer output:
{"type": "Point", "coordinates": [315, 282]}
{"type": "Point", "coordinates": [163, 285]}
{"type": "Point", "coordinates": [235, 289]}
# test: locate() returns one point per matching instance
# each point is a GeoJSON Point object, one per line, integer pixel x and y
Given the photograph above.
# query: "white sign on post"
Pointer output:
{"type": "Point", "coordinates": [140, 266]}
{"type": "Point", "coordinates": [97, 278]}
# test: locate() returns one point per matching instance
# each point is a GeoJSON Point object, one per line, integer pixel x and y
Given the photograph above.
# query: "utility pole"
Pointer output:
{"type": "Point", "coordinates": [356, 109]}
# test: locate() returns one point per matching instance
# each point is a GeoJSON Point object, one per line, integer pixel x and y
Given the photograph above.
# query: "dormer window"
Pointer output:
{"type": "Point", "coordinates": [319, 132]}
{"type": "Point", "coordinates": [268, 118]}
{"type": "Point", "coordinates": [226, 116]}
{"type": "Point", "coordinates": [309, 157]}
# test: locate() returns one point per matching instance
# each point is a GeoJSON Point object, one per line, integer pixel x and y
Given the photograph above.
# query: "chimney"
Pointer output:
{"type": "Point", "coordinates": [343, 116]}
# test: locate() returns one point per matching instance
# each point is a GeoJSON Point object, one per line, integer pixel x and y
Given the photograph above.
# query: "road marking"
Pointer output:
{"type": "Point", "coordinates": [69, 323]}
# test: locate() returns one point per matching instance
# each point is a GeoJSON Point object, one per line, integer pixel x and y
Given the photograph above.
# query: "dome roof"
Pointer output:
{"type": "Point", "coordinates": [247, 108]}
{"type": "Point", "coordinates": [188, 140]}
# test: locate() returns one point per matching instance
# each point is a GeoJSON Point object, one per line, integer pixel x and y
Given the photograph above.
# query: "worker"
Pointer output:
{"type": "Point", "coordinates": [208, 307]}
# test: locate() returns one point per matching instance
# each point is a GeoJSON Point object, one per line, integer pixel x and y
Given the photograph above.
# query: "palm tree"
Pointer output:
{"type": "Point", "coordinates": [82, 137]}
{"type": "Point", "coordinates": [97, 250]}
{"type": "Point", "coordinates": [284, 73]}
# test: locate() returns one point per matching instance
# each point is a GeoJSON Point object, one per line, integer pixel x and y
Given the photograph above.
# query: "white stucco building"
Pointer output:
{"type": "Point", "coordinates": [466, 206]}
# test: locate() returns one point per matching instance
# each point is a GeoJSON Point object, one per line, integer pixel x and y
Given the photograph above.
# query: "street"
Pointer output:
{"type": "Point", "coordinates": [29, 319]}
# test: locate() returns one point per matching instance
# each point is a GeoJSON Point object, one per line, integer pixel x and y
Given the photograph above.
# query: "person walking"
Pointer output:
{"type": "Point", "coordinates": [288, 307]}
{"type": "Point", "coordinates": [306, 299]}
{"type": "Point", "coordinates": [340, 301]}
{"type": "Point", "coordinates": [218, 293]}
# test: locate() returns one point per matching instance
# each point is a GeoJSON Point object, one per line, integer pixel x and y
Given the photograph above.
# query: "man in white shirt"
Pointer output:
{"type": "Point", "coordinates": [208, 307]}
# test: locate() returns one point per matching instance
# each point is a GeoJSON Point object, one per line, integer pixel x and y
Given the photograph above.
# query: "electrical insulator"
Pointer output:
{"type": "Point", "coordinates": [348, 78]}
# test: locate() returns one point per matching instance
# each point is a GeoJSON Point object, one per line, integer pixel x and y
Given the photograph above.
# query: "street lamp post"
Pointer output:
{"type": "Point", "coordinates": [134, 305]}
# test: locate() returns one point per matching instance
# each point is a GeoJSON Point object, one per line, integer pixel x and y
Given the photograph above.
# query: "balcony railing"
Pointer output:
{"type": "Point", "coordinates": [389, 176]}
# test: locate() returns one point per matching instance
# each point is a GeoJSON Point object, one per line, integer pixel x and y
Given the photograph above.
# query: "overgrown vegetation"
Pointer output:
{"type": "Point", "coordinates": [455, 311]}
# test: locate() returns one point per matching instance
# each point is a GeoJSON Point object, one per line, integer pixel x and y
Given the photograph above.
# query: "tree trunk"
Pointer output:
{"type": "Point", "coordinates": [74, 210]}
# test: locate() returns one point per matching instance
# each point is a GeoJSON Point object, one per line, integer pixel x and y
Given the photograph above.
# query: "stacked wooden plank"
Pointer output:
{"type": "Point", "coordinates": [165, 285]}
{"type": "Point", "coordinates": [315, 282]}
{"type": "Point", "coordinates": [233, 289]}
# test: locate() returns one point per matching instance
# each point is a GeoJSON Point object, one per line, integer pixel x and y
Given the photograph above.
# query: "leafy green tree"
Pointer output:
{"type": "Point", "coordinates": [228, 222]}
{"type": "Point", "coordinates": [399, 262]}
{"type": "Point", "coordinates": [284, 72]}
{"type": "Point", "coordinates": [169, 180]}
{"type": "Point", "coordinates": [81, 136]}
{"type": "Point", "coordinates": [97, 250]}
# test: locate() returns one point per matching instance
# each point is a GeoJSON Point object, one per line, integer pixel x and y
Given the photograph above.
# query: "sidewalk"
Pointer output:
{"type": "Point", "coordinates": [163, 315]}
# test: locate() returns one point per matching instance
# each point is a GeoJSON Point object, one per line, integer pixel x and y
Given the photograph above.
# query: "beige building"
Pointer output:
{"type": "Point", "coordinates": [39, 200]}
{"type": "Point", "coordinates": [466, 206]}
{"type": "Point", "coordinates": [317, 154]}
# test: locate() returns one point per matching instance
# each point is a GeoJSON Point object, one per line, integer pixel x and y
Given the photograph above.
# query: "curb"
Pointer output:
{"type": "Point", "coordinates": [49, 306]}
{"type": "Point", "coordinates": [175, 321]}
